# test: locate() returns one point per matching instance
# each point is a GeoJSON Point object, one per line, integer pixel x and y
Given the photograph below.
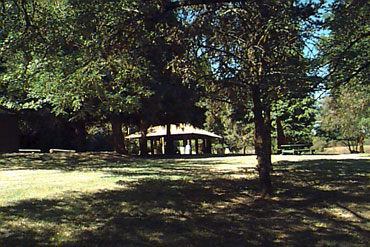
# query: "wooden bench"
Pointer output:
{"type": "Point", "coordinates": [26, 150]}
{"type": "Point", "coordinates": [57, 150]}
{"type": "Point", "coordinates": [296, 149]}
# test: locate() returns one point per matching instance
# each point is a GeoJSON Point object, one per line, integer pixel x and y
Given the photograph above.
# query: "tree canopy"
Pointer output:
{"type": "Point", "coordinates": [344, 51]}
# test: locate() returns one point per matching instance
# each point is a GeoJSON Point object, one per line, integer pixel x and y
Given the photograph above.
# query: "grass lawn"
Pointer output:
{"type": "Point", "coordinates": [109, 200]}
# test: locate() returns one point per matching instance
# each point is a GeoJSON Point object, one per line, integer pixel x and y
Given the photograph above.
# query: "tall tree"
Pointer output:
{"type": "Point", "coordinates": [171, 102]}
{"type": "Point", "coordinates": [92, 57]}
{"type": "Point", "coordinates": [255, 47]}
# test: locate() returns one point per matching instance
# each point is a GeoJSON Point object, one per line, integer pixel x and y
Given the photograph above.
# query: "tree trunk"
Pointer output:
{"type": "Point", "coordinates": [352, 145]}
{"type": "Point", "coordinates": [80, 136]}
{"type": "Point", "coordinates": [281, 138]}
{"type": "Point", "coordinates": [262, 140]}
{"type": "Point", "coordinates": [169, 148]}
{"type": "Point", "coordinates": [361, 143]}
{"type": "Point", "coordinates": [268, 129]}
{"type": "Point", "coordinates": [117, 135]}
{"type": "Point", "coordinates": [143, 142]}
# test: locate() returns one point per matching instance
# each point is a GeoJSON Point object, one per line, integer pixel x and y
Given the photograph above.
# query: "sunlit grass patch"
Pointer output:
{"type": "Point", "coordinates": [44, 176]}
{"type": "Point", "coordinates": [17, 185]}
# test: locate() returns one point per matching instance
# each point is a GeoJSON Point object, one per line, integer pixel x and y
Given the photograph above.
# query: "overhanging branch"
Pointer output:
{"type": "Point", "coordinates": [346, 80]}
{"type": "Point", "coordinates": [185, 3]}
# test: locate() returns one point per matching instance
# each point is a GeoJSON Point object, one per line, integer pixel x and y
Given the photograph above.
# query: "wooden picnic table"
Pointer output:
{"type": "Point", "coordinates": [296, 149]}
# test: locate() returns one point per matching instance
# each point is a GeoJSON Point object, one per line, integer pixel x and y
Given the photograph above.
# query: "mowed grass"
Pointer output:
{"type": "Point", "coordinates": [104, 199]}
{"type": "Point", "coordinates": [40, 176]}
{"type": "Point", "coordinates": [38, 184]}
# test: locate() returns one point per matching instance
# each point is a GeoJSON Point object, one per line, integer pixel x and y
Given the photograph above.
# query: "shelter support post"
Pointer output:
{"type": "Point", "coordinates": [152, 147]}
{"type": "Point", "coordinates": [203, 145]}
{"type": "Point", "coordinates": [208, 144]}
{"type": "Point", "coordinates": [163, 148]}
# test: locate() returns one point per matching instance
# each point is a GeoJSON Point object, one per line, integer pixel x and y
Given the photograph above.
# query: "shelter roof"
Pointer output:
{"type": "Point", "coordinates": [176, 130]}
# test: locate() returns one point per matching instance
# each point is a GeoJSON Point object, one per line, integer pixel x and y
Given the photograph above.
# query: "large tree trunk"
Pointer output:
{"type": "Point", "coordinates": [262, 140]}
{"type": "Point", "coordinates": [117, 136]}
{"type": "Point", "coordinates": [169, 148]}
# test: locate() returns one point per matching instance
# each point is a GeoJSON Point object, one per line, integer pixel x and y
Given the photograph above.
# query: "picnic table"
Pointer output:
{"type": "Point", "coordinates": [296, 149]}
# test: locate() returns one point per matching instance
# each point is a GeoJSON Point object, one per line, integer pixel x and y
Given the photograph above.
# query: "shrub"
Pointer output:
{"type": "Point", "coordinates": [319, 143]}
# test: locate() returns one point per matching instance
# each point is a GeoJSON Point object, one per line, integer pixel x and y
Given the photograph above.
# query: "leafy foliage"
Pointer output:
{"type": "Point", "coordinates": [76, 58]}
{"type": "Point", "coordinates": [125, 60]}
{"type": "Point", "coordinates": [93, 61]}
{"type": "Point", "coordinates": [344, 51]}
{"type": "Point", "coordinates": [347, 115]}
{"type": "Point", "coordinates": [298, 116]}
{"type": "Point", "coordinates": [344, 54]}
{"type": "Point", "coordinates": [237, 132]}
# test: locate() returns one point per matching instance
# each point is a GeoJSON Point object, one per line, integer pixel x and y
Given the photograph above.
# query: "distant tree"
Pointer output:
{"type": "Point", "coordinates": [347, 114]}
{"type": "Point", "coordinates": [294, 119]}
{"type": "Point", "coordinates": [43, 130]}
{"type": "Point", "coordinates": [224, 119]}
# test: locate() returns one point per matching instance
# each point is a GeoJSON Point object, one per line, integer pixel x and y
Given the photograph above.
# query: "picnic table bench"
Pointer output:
{"type": "Point", "coordinates": [296, 149]}
{"type": "Point", "coordinates": [28, 150]}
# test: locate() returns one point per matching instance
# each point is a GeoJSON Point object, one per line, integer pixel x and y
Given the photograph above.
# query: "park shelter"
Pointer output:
{"type": "Point", "coordinates": [9, 132]}
{"type": "Point", "coordinates": [188, 139]}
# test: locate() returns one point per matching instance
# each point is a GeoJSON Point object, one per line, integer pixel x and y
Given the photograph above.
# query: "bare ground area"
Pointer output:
{"type": "Point", "coordinates": [111, 200]}
{"type": "Point", "coordinates": [343, 150]}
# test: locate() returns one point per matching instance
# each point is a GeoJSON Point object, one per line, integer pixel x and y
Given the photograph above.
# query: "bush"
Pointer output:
{"type": "Point", "coordinates": [367, 141]}
{"type": "Point", "coordinates": [319, 143]}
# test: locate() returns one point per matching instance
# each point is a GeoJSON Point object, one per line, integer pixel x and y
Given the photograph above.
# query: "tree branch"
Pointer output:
{"type": "Point", "coordinates": [346, 80]}
{"type": "Point", "coordinates": [338, 57]}
{"type": "Point", "coordinates": [184, 3]}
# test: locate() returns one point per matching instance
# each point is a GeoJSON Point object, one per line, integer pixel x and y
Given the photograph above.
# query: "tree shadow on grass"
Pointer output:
{"type": "Point", "coordinates": [317, 203]}
{"type": "Point", "coordinates": [90, 161]}
{"type": "Point", "coordinates": [65, 161]}
{"type": "Point", "coordinates": [114, 165]}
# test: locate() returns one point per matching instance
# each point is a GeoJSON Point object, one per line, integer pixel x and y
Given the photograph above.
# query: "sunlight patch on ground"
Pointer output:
{"type": "Point", "coordinates": [276, 158]}
{"type": "Point", "coordinates": [342, 214]}
{"type": "Point", "coordinates": [17, 185]}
